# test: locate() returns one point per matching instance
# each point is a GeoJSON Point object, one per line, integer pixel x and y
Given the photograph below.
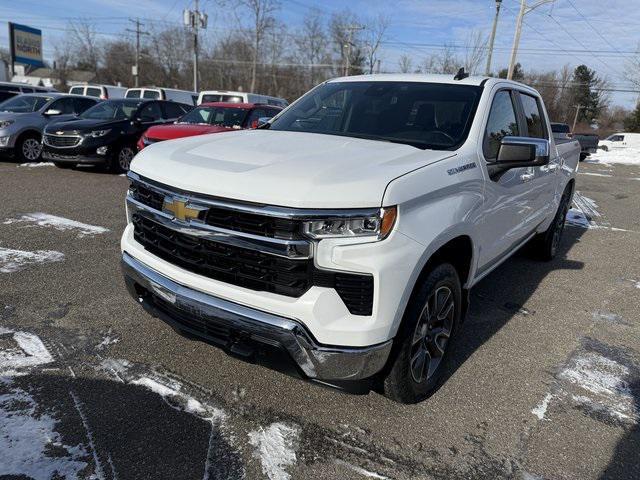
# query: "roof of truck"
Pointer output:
{"type": "Point", "coordinates": [424, 78]}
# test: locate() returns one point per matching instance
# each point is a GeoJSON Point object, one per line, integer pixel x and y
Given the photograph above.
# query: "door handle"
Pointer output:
{"type": "Point", "coordinates": [527, 177]}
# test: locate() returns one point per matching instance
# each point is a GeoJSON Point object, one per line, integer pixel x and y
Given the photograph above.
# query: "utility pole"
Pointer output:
{"type": "Point", "coordinates": [136, 69]}
{"type": "Point", "coordinates": [195, 19]}
{"type": "Point", "coordinates": [350, 29]}
{"type": "Point", "coordinates": [575, 119]}
{"type": "Point", "coordinates": [524, 9]}
{"type": "Point", "coordinates": [493, 38]}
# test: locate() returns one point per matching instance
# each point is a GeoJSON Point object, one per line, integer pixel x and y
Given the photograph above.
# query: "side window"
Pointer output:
{"type": "Point", "coordinates": [172, 111]}
{"type": "Point", "coordinates": [502, 123]}
{"type": "Point", "coordinates": [151, 112]}
{"type": "Point", "coordinates": [533, 116]}
{"type": "Point", "coordinates": [94, 92]}
{"type": "Point", "coordinates": [82, 104]}
{"type": "Point", "coordinates": [77, 90]}
{"type": "Point", "coordinates": [255, 114]}
{"type": "Point", "coordinates": [65, 105]}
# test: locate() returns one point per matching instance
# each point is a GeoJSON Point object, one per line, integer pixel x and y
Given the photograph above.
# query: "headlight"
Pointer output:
{"type": "Point", "coordinates": [99, 133]}
{"type": "Point", "coordinates": [5, 123]}
{"type": "Point", "coordinates": [378, 225]}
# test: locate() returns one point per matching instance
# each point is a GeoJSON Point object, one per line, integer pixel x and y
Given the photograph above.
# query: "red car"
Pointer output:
{"type": "Point", "coordinates": [210, 118]}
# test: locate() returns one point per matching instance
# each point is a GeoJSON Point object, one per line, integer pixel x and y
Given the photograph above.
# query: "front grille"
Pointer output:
{"type": "Point", "coordinates": [249, 268]}
{"type": "Point", "coordinates": [67, 141]}
{"type": "Point", "coordinates": [146, 196]}
{"type": "Point", "coordinates": [238, 221]}
{"type": "Point", "coordinates": [230, 264]}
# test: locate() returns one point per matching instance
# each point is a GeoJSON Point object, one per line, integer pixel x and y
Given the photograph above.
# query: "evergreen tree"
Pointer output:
{"type": "Point", "coordinates": [632, 122]}
{"type": "Point", "coordinates": [518, 73]}
{"type": "Point", "coordinates": [585, 81]}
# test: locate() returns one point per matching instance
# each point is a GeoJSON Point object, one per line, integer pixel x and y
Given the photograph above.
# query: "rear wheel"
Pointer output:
{"type": "Point", "coordinates": [546, 244]}
{"type": "Point", "coordinates": [121, 161]}
{"type": "Point", "coordinates": [29, 148]}
{"type": "Point", "coordinates": [424, 340]}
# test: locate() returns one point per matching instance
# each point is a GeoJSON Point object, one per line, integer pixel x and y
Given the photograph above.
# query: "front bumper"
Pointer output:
{"type": "Point", "coordinates": [246, 331]}
{"type": "Point", "coordinates": [85, 159]}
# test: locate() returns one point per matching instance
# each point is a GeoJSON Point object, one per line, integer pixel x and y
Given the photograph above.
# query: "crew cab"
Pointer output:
{"type": "Point", "coordinates": [24, 117]}
{"type": "Point", "coordinates": [340, 240]}
{"type": "Point", "coordinates": [106, 134]}
{"type": "Point", "coordinates": [210, 118]}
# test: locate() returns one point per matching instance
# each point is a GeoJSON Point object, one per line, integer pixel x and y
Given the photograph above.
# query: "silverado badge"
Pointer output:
{"type": "Point", "coordinates": [180, 209]}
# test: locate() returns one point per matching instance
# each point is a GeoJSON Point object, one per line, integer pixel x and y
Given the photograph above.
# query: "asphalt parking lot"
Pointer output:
{"type": "Point", "coordinates": [545, 383]}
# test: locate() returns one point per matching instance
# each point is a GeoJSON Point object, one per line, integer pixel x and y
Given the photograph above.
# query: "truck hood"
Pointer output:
{"type": "Point", "coordinates": [303, 170]}
{"type": "Point", "coordinates": [179, 130]}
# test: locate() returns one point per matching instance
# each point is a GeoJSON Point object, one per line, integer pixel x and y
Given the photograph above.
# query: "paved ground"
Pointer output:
{"type": "Point", "coordinates": [546, 382]}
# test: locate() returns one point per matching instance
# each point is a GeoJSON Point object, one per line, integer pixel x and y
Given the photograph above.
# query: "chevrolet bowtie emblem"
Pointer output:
{"type": "Point", "coordinates": [180, 209]}
{"type": "Point", "coordinates": [59, 132]}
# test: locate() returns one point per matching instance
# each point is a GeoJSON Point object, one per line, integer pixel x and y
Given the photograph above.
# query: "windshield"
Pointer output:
{"type": "Point", "coordinates": [24, 104]}
{"type": "Point", "coordinates": [219, 116]}
{"type": "Point", "coordinates": [424, 115]}
{"type": "Point", "coordinates": [112, 111]}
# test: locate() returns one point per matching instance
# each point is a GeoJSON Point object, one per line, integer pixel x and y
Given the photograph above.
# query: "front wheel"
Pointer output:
{"type": "Point", "coordinates": [424, 340]}
{"type": "Point", "coordinates": [29, 148]}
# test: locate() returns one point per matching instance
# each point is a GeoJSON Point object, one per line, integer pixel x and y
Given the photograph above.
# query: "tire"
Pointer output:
{"type": "Point", "coordinates": [121, 161]}
{"type": "Point", "coordinates": [64, 165]}
{"type": "Point", "coordinates": [583, 156]}
{"type": "Point", "coordinates": [423, 344]}
{"type": "Point", "coordinates": [546, 244]}
{"type": "Point", "coordinates": [28, 148]}
{"type": "Point", "coordinates": [604, 148]}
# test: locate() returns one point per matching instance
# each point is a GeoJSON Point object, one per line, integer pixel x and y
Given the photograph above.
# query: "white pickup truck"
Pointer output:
{"type": "Point", "coordinates": [340, 240]}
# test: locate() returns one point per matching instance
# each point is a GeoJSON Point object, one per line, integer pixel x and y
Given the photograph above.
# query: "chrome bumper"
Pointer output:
{"type": "Point", "coordinates": [247, 326]}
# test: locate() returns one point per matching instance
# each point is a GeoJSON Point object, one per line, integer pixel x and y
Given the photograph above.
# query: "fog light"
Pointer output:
{"type": "Point", "coordinates": [102, 150]}
{"type": "Point", "coordinates": [4, 141]}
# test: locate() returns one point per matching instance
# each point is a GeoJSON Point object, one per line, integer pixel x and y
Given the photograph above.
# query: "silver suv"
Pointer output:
{"type": "Point", "coordinates": [23, 118]}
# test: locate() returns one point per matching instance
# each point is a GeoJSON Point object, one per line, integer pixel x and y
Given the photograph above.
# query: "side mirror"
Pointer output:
{"type": "Point", "coordinates": [53, 112]}
{"type": "Point", "coordinates": [262, 121]}
{"type": "Point", "coordinates": [517, 152]}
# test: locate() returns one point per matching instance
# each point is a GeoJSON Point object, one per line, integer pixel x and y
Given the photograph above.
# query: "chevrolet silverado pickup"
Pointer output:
{"type": "Point", "coordinates": [339, 241]}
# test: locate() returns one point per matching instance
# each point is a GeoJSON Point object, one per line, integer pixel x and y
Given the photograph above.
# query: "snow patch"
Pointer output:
{"type": "Point", "coordinates": [28, 352]}
{"type": "Point", "coordinates": [106, 341]}
{"type": "Point", "coordinates": [27, 436]}
{"type": "Point", "coordinates": [172, 394]}
{"type": "Point", "coordinates": [625, 156]}
{"type": "Point", "coordinates": [59, 223]}
{"type": "Point", "coordinates": [275, 448]}
{"type": "Point", "coordinates": [15, 260]}
{"type": "Point", "coordinates": [362, 471]}
{"type": "Point", "coordinates": [595, 174]}
{"type": "Point", "coordinates": [542, 407]}
{"type": "Point", "coordinates": [36, 164]}
{"type": "Point", "coordinates": [603, 383]}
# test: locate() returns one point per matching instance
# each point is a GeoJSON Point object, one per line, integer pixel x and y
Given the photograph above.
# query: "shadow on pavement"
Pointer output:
{"type": "Point", "coordinates": [501, 296]}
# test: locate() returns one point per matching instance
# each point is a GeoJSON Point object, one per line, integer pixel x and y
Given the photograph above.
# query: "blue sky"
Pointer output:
{"type": "Point", "coordinates": [602, 41]}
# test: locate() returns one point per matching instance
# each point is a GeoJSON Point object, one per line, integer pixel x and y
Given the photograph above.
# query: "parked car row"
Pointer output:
{"type": "Point", "coordinates": [104, 124]}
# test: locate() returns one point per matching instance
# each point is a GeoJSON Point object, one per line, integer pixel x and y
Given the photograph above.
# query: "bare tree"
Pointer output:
{"type": "Point", "coordinates": [632, 68]}
{"type": "Point", "coordinates": [263, 22]}
{"type": "Point", "coordinates": [475, 51]}
{"type": "Point", "coordinates": [311, 44]}
{"type": "Point", "coordinates": [374, 35]}
{"type": "Point", "coordinates": [85, 45]}
{"type": "Point", "coordinates": [405, 63]}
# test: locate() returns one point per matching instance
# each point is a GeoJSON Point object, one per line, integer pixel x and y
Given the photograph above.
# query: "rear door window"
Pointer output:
{"type": "Point", "coordinates": [533, 116]}
{"type": "Point", "coordinates": [77, 90]}
{"type": "Point", "coordinates": [65, 105]}
{"type": "Point", "coordinates": [153, 94]}
{"type": "Point", "coordinates": [231, 98]}
{"type": "Point", "coordinates": [172, 111]}
{"type": "Point", "coordinates": [94, 92]}
{"type": "Point", "coordinates": [502, 123]}
{"type": "Point", "coordinates": [133, 94]}
{"type": "Point", "coordinates": [151, 112]}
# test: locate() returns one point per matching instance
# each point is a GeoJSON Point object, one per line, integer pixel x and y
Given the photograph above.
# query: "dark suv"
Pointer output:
{"type": "Point", "coordinates": [107, 133]}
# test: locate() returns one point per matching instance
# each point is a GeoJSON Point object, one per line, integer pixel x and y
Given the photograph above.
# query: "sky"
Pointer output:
{"type": "Point", "coordinates": [600, 34]}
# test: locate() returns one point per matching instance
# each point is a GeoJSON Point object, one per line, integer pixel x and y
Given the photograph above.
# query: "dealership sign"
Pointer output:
{"type": "Point", "coordinates": [26, 45]}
